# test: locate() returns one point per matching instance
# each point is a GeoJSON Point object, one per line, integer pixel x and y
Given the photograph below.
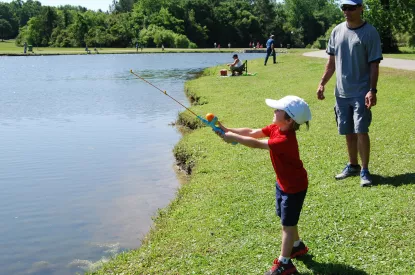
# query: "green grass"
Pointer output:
{"type": "Point", "coordinates": [406, 53]}
{"type": "Point", "coordinates": [223, 220]}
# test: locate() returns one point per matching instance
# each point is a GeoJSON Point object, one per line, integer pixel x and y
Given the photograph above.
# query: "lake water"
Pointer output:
{"type": "Point", "coordinates": [86, 154]}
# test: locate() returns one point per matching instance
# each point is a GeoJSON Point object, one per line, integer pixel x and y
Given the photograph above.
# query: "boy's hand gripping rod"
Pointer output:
{"type": "Point", "coordinates": [211, 119]}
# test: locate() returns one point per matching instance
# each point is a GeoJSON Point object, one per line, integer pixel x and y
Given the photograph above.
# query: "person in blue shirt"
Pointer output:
{"type": "Point", "coordinates": [270, 50]}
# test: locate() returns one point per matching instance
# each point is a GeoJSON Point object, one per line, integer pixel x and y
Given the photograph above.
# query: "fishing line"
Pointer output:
{"type": "Point", "coordinates": [164, 92]}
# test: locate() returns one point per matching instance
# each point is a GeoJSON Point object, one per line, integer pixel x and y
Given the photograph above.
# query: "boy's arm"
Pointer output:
{"type": "Point", "coordinates": [246, 140]}
{"type": "Point", "coordinates": [247, 132]}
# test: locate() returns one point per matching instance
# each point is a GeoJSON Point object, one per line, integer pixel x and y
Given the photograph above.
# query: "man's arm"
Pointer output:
{"type": "Point", "coordinates": [371, 99]}
{"type": "Point", "coordinates": [328, 73]}
{"type": "Point", "coordinates": [374, 74]}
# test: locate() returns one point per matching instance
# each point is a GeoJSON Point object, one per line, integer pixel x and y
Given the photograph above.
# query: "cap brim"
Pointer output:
{"type": "Point", "coordinates": [276, 104]}
{"type": "Point", "coordinates": [346, 2]}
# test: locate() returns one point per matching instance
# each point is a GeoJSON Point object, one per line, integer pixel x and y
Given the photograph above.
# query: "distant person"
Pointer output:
{"type": "Point", "coordinates": [25, 47]}
{"type": "Point", "coordinates": [355, 51]}
{"type": "Point", "coordinates": [291, 177]}
{"type": "Point", "coordinates": [219, 47]}
{"type": "Point", "coordinates": [162, 47]}
{"type": "Point", "coordinates": [257, 45]}
{"type": "Point", "coordinates": [235, 65]}
{"type": "Point", "coordinates": [250, 44]}
{"type": "Point", "coordinates": [136, 46]}
{"type": "Point", "coordinates": [270, 50]}
{"type": "Point", "coordinates": [214, 45]}
{"type": "Point", "coordinates": [229, 45]}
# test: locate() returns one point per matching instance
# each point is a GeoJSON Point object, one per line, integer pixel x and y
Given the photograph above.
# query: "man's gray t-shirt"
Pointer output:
{"type": "Point", "coordinates": [354, 50]}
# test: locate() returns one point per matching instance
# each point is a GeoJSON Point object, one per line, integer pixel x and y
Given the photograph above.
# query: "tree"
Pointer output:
{"type": "Point", "coordinates": [389, 17]}
{"type": "Point", "coordinates": [7, 14]}
{"type": "Point", "coordinates": [5, 29]}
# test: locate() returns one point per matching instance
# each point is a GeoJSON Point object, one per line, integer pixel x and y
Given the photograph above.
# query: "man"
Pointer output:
{"type": "Point", "coordinates": [354, 54]}
{"type": "Point", "coordinates": [270, 49]}
{"type": "Point", "coordinates": [236, 65]}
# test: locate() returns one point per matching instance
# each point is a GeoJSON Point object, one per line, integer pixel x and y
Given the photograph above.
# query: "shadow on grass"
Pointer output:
{"type": "Point", "coordinates": [328, 269]}
{"type": "Point", "coordinates": [404, 179]}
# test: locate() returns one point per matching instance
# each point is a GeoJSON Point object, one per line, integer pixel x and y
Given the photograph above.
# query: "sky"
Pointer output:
{"type": "Point", "coordinates": [89, 4]}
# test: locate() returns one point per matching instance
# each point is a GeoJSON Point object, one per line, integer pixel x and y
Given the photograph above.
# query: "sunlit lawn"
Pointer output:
{"type": "Point", "coordinates": [223, 220]}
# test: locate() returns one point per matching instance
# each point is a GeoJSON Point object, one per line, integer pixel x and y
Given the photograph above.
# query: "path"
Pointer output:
{"type": "Point", "coordinates": [402, 64]}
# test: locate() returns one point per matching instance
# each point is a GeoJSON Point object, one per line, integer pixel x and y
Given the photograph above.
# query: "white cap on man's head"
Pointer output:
{"type": "Point", "coordinates": [351, 2]}
{"type": "Point", "coordinates": [294, 106]}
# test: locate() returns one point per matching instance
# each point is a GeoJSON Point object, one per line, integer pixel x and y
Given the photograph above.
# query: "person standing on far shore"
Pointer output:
{"type": "Point", "coordinates": [25, 47]}
{"type": "Point", "coordinates": [270, 50]}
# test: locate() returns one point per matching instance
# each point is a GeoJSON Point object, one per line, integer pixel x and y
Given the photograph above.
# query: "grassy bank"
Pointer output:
{"type": "Point", "coordinates": [8, 47]}
{"type": "Point", "coordinates": [406, 53]}
{"type": "Point", "coordinates": [223, 220]}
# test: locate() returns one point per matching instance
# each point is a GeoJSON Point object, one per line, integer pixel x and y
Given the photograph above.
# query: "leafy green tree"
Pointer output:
{"type": "Point", "coordinates": [5, 29]}
{"type": "Point", "coordinates": [34, 31]}
{"type": "Point", "coordinates": [166, 20]}
{"type": "Point", "coordinates": [311, 18]}
{"type": "Point", "coordinates": [389, 17]}
{"type": "Point", "coordinates": [29, 9]}
{"type": "Point", "coordinates": [7, 14]}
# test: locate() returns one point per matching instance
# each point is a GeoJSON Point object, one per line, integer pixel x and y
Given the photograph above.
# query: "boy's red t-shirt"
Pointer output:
{"type": "Point", "coordinates": [285, 157]}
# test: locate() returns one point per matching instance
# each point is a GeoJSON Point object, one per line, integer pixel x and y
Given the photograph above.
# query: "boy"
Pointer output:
{"type": "Point", "coordinates": [291, 186]}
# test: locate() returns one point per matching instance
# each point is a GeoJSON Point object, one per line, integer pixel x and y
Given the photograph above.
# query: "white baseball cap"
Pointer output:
{"type": "Point", "coordinates": [351, 2]}
{"type": "Point", "coordinates": [294, 106]}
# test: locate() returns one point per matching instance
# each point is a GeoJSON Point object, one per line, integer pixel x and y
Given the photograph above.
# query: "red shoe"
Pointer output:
{"type": "Point", "coordinates": [299, 251]}
{"type": "Point", "coordinates": [278, 268]}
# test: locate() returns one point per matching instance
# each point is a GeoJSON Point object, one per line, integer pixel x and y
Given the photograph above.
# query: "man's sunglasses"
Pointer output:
{"type": "Point", "coordinates": [349, 8]}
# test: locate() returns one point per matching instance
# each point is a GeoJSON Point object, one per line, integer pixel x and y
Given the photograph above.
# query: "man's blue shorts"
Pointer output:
{"type": "Point", "coordinates": [352, 116]}
{"type": "Point", "coordinates": [289, 206]}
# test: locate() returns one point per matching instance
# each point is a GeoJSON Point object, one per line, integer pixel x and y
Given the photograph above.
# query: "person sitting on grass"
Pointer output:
{"type": "Point", "coordinates": [235, 66]}
{"type": "Point", "coordinates": [292, 182]}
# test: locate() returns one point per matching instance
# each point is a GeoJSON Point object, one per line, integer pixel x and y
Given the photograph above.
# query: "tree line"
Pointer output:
{"type": "Point", "coordinates": [198, 23]}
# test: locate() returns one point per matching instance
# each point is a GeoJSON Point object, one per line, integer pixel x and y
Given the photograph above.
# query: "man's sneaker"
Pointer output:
{"type": "Point", "coordinates": [349, 171]}
{"type": "Point", "coordinates": [299, 251]}
{"type": "Point", "coordinates": [365, 178]}
{"type": "Point", "coordinates": [278, 268]}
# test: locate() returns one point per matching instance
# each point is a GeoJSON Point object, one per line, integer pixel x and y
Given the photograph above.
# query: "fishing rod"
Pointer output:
{"type": "Point", "coordinates": [210, 120]}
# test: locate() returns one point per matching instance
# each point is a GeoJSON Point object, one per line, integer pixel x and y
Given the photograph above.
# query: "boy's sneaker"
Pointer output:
{"type": "Point", "coordinates": [299, 251]}
{"type": "Point", "coordinates": [349, 171]}
{"type": "Point", "coordinates": [365, 178]}
{"type": "Point", "coordinates": [278, 268]}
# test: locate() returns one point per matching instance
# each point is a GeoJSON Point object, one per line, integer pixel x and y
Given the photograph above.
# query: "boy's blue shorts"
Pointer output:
{"type": "Point", "coordinates": [289, 206]}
